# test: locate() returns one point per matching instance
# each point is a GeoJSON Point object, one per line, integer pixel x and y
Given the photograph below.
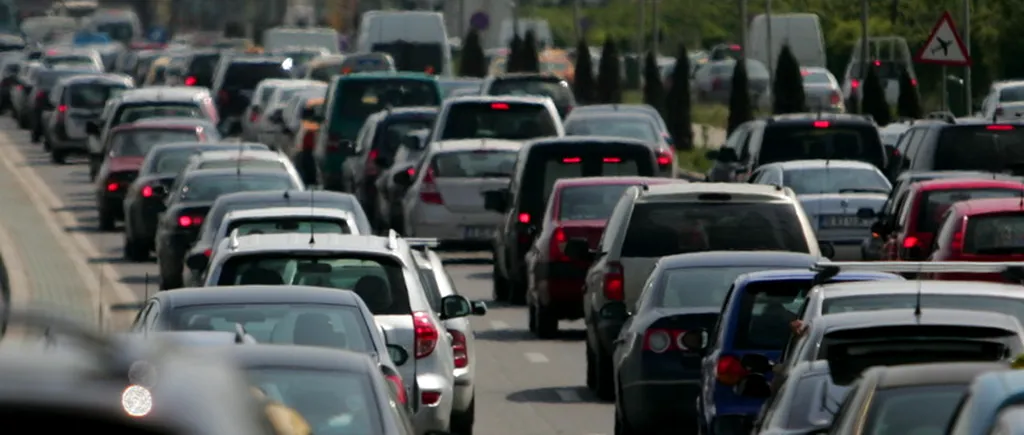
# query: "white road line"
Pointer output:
{"type": "Point", "coordinates": [499, 325]}
{"type": "Point", "coordinates": [536, 358]}
{"type": "Point", "coordinates": [568, 395]}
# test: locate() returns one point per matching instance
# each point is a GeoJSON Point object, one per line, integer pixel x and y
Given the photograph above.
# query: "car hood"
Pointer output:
{"type": "Point", "coordinates": [840, 203]}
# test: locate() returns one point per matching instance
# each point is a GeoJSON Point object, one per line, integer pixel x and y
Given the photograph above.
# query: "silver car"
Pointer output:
{"type": "Point", "coordinates": [243, 158]}
{"type": "Point", "coordinates": [75, 101]}
{"type": "Point", "coordinates": [383, 272]}
{"type": "Point", "coordinates": [834, 195]}
{"type": "Point", "coordinates": [822, 92]}
{"type": "Point", "coordinates": [445, 199]}
{"type": "Point", "coordinates": [713, 81]}
{"type": "Point", "coordinates": [269, 129]}
{"type": "Point", "coordinates": [257, 107]}
{"type": "Point", "coordinates": [298, 219]}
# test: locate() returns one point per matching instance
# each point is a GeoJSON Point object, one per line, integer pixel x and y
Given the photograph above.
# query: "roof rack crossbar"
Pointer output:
{"type": "Point", "coordinates": [917, 266]}
{"type": "Point", "coordinates": [422, 243]}
{"type": "Point", "coordinates": [392, 240]}
{"type": "Point", "coordinates": [233, 239]}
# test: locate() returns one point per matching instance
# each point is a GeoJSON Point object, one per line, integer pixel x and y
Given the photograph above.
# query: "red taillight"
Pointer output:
{"type": "Point", "coordinates": [399, 387]}
{"type": "Point", "coordinates": [189, 221]}
{"type": "Point", "coordinates": [62, 108]}
{"type": "Point", "coordinates": [411, 172]}
{"type": "Point", "coordinates": [190, 81]}
{"type": "Point", "coordinates": [913, 82]}
{"type": "Point", "coordinates": [429, 70]}
{"type": "Point", "coordinates": [428, 190]}
{"type": "Point", "coordinates": [909, 242]}
{"type": "Point", "coordinates": [1000, 127]}
{"type": "Point", "coordinates": [663, 340]}
{"type": "Point", "coordinates": [854, 83]}
{"type": "Point", "coordinates": [426, 334]}
{"type": "Point", "coordinates": [524, 218]}
{"type": "Point", "coordinates": [611, 160]}
{"type": "Point", "coordinates": [499, 106]}
{"type": "Point", "coordinates": [835, 99]}
{"type": "Point", "coordinates": [254, 115]}
{"type": "Point", "coordinates": [459, 349]}
{"type": "Point", "coordinates": [308, 141]}
{"type": "Point", "coordinates": [557, 249]}
{"type": "Point", "coordinates": [664, 158]}
{"type": "Point", "coordinates": [572, 160]}
{"type": "Point", "coordinates": [729, 370]}
{"type": "Point", "coordinates": [371, 162]}
{"type": "Point", "coordinates": [147, 191]}
{"type": "Point", "coordinates": [112, 187]}
{"type": "Point", "coordinates": [208, 252]}
{"type": "Point", "coordinates": [613, 282]}
{"type": "Point", "coordinates": [957, 244]}
{"type": "Point", "coordinates": [821, 124]}
{"type": "Point", "coordinates": [878, 63]}
{"type": "Point", "coordinates": [430, 397]}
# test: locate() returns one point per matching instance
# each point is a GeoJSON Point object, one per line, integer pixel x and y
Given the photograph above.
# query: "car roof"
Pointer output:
{"type": "Point", "coordinates": [227, 172]}
{"type": "Point", "coordinates": [299, 357]}
{"type": "Point", "coordinates": [299, 197]}
{"type": "Point", "coordinates": [476, 144]}
{"type": "Point", "coordinates": [562, 183]}
{"type": "Point", "coordinates": [840, 118]}
{"type": "Point", "coordinates": [591, 108]}
{"type": "Point", "coordinates": [377, 75]}
{"type": "Point", "coordinates": [820, 163]}
{"type": "Point", "coordinates": [932, 175]}
{"type": "Point", "coordinates": [476, 98]}
{"type": "Point", "coordinates": [199, 146]}
{"type": "Point", "coordinates": [275, 82]}
{"type": "Point", "coordinates": [991, 205]}
{"type": "Point", "coordinates": [235, 153]}
{"type": "Point", "coordinates": [148, 124]}
{"type": "Point", "coordinates": [163, 93]}
{"type": "Point", "coordinates": [761, 190]}
{"type": "Point", "coordinates": [634, 115]}
{"type": "Point", "coordinates": [965, 183]}
{"type": "Point", "coordinates": [408, 111]}
{"type": "Point", "coordinates": [97, 78]}
{"type": "Point", "coordinates": [807, 274]}
{"type": "Point", "coordinates": [325, 242]}
{"type": "Point", "coordinates": [255, 294]}
{"type": "Point", "coordinates": [287, 211]}
{"type": "Point", "coordinates": [740, 259]}
{"type": "Point", "coordinates": [926, 287]}
{"type": "Point", "coordinates": [255, 58]}
{"type": "Point", "coordinates": [526, 75]}
{"type": "Point", "coordinates": [931, 374]}
{"type": "Point", "coordinates": [903, 317]}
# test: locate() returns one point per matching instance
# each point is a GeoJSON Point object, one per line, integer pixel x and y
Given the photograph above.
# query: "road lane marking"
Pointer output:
{"type": "Point", "coordinates": [498, 325]}
{"type": "Point", "coordinates": [536, 358]}
{"type": "Point", "coordinates": [568, 395]}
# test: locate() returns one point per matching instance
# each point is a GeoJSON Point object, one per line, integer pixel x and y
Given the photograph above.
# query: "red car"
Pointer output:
{"type": "Point", "coordinates": [981, 230]}
{"type": "Point", "coordinates": [577, 208]}
{"type": "Point", "coordinates": [925, 204]}
{"type": "Point", "coordinates": [125, 149]}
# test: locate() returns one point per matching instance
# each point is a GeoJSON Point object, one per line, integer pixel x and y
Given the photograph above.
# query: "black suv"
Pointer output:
{"type": "Point", "coordinates": [235, 79]}
{"type": "Point", "coordinates": [967, 145]}
{"type": "Point", "coordinates": [543, 85]}
{"type": "Point", "coordinates": [798, 136]}
{"type": "Point", "coordinates": [197, 68]}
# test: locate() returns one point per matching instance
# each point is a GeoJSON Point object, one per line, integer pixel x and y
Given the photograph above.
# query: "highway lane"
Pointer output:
{"type": "Point", "coordinates": [525, 386]}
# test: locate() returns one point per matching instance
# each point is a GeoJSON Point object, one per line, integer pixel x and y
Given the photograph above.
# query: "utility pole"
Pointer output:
{"type": "Point", "coordinates": [743, 28]}
{"type": "Point", "coordinates": [655, 28]}
{"type": "Point", "coordinates": [968, 104]}
{"type": "Point", "coordinates": [863, 52]}
{"type": "Point", "coordinates": [770, 51]}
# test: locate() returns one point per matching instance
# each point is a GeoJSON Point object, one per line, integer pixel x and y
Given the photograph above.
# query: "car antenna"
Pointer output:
{"type": "Point", "coordinates": [917, 298]}
{"type": "Point", "coordinates": [312, 202]}
{"type": "Point", "coordinates": [238, 163]}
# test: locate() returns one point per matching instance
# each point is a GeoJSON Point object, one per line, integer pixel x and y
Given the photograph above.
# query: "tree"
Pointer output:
{"type": "Point", "coordinates": [609, 80]}
{"type": "Point", "coordinates": [788, 89]}
{"type": "Point", "coordinates": [583, 84]}
{"type": "Point", "coordinates": [677, 105]}
{"type": "Point", "coordinates": [654, 92]}
{"type": "Point", "coordinates": [909, 103]}
{"type": "Point", "coordinates": [873, 99]}
{"type": "Point", "coordinates": [530, 61]}
{"type": "Point", "coordinates": [515, 48]}
{"type": "Point", "coordinates": [740, 109]}
{"type": "Point", "coordinates": [473, 62]}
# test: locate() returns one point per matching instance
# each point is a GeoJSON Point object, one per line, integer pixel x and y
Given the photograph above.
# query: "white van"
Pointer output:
{"type": "Point", "coordinates": [282, 38]}
{"type": "Point", "coordinates": [801, 31]}
{"type": "Point", "coordinates": [416, 40]}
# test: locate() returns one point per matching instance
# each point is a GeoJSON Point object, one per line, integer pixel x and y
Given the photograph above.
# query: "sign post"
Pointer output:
{"type": "Point", "coordinates": [944, 47]}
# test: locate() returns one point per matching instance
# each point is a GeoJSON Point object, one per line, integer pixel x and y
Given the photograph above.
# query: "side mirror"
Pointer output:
{"type": "Point", "coordinates": [92, 128]}
{"type": "Point", "coordinates": [756, 363]}
{"type": "Point", "coordinates": [878, 228]}
{"type": "Point", "coordinates": [455, 306]}
{"type": "Point", "coordinates": [754, 386]}
{"type": "Point", "coordinates": [382, 162]}
{"type": "Point", "coordinates": [866, 213]}
{"type": "Point", "coordinates": [496, 200]}
{"type": "Point", "coordinates": [727, 155]}
{"type": "Point", "coordinates": [579, 249]}
{"type": "Point", "coordinates": [398, 354]}
{"type": "Point", "coordinates": [402, 178]}
{"type": "Point", "coordinates": [695, 340]}
{"type": "Point", "coordinates": [197, 261]}
{"type": "Point", "coordinates": [827, 250]}
{"type": "Point", "coordinates": [479, 308]}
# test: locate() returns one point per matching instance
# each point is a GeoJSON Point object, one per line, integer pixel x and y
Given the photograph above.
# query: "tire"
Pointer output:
{"type": "Point", "coordinates": [58, 157]}
{"type": "Point", "coordinates": [36, 135]}
{"type": "Point", "coordinates": [22, 122]}
{"type": "Point", "coordinates": [462, 422]}
{"type": "Point", "coordinates": [604, 387]}
{"type": "Point", "coordinates": [517, 293]}
{"type": "Point", "coordinates": [546, 324]}
{"type": "Point", "coordinates": [501, 287]}
{"type": "Point", "coordinates": [94, 167]}
{"type": "Point", "coordinates": [591, 368]}
{"type": "Point", "coordinates": [171, 283]}
{"type": "Point", "coordinates": [135, 251]}
{"type": "Point", "coordinates": [531, 321]}
{"type": "Point", "coordinates": [106, 219]}
{"type": "Point", "coordinates": [621, 427]}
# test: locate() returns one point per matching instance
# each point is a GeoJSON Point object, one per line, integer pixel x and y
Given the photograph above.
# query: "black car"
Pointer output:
{"type": "Point", "coordinates": [235, 79]}
{"type": "Point", "coordinates": [197, 68]}
{"type": "Point", "coordinates": [188, 201]}
{"type": "Point", "coordinates": [544, 85]}
{"type": "Point", "coordinates": [10, 64]}
{"type": "Point", "coordinates": [803, 406]}
{"type": "Point", "coordinates": [967, 145]}
{"type": "Point", "coordinates": [144, 198]}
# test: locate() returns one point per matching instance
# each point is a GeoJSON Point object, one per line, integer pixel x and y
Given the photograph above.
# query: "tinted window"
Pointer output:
{"type": "Point", "coordinates": [431, 289]}
{"type": "Point", "coordinates": [266, 91]}
{"type": "Point", "coordinates": [136, 143]}
{"type": "Point", "coordinates": [766, 309]}
{"type": "Point", "coordinates": [365, 63]}
{"type": "Point", "coordinates": [979, 147]}
{"type": "Point", "coordinates": [378, 280]}
{"type": "Point", "coordinates": [512, 121]}
{"type": "Point", "coordinates": [139, 113]}
{"type": "Point", "coordinates": [171, 162]}
{"type": "Point", "coordinates": [301, 225]}
{"type": "Point", "coordinates": [395, 130]}
{"type": "Point", "coordinates": [336, 326]}
{"type": "Point", "coordinates": [700, 286]}
{"type": "Point", "coordinates": [589, 202]}
{"type": "Point", "coordinates": [791, 141]}
{"type": "Point", "coordinates": [631, 127]}
{"type": "Point", "coordinates": [333, 402]}
{"type": "Point", "coordinates": [415, 57]}
{"type": "Point", "coordinates": [48, 79]}
{"type": "Point", "coordinates": [1005, 305]}
{"type": "Point", "coordinates": [474, 164]}
{"type": "Point", "coordinates": [93, 95]}
{"type": "Point", "coordinates": [1011, 94]}
{"type": "Point", "coordinates": [324, 72]}
{"type": "Point", "coordinates": [557, 90]}
{"type": "Point", "coordinates": [815, 401]}
{"type": "Point", "coordinates": [658, 229]}
{"type": "Point", "coordinates": [243, 162]}
{"type": "Point", "coordinates": [247, 75]}
{"type": "Point", "coordinates": [208, 188]}
{"type": "Point", "coordinates": [67, 59]}
{"type": "Point", "coordinates": [550, 163]}
{"type": "Point", "coordinates": [995, 234]}
{"type": "Point", "coordinates": [918, 409]}
{"type": "Point", "coordinates": [934, 203]}
{"type": "Point", "coordinates": [202, 67]}
{"type": "Point", "coordinates": [361, 98]}
{"type": "Point", "coordinates": [835, 180]}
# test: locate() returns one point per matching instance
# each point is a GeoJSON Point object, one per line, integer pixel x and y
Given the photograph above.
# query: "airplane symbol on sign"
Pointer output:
{"type": "Point", "coordinates": [943, 45]}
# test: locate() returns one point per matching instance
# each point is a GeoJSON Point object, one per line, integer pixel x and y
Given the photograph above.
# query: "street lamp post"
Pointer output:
{"type": "Point", "coordinates": [969, 106]}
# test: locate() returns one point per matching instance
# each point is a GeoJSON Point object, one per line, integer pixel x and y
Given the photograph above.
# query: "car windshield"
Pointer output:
{"type": "Point", "coordinates": [631, 128]}
{"type": "Point", "coordinates": [332, 402]}
{"type": "Point", "coordinates": [995, 234]}
{"type": "Point", "coordinates": [337, 326]}
{"type": "Point", "coordinates": [474, 164]}
{"type": "Point", "coordinates": [302, 225]}
{"type": "Point", "coordinates": [936, 202]}
{"type": "Point", "coordinates": [974, 302]}
{"type": "Point", "coordinates": [996, 148]}
{"type": "Point", "coordinates": [913, 410]}
{"type": "Point", "coordinates": [378, 280]}
{"type": "Point", "coordinates": [785, 142]}
{"type": "Point", "coordinates": [247, 75]}
{"type": "Point", "coordinates": [363, 97]}
{"type": "Point", "coordinates": [93, 95]}
{"type": "Point", "coordinates": [243, 162]}
{"type": "Point", "coordinates": [657, 229]}
{"type": "Point", "coordinates": [557, 90]}
{"type": "Point", "coordinates": [700, 286]}
{"type": "Point", "coordinates": [594, 202]}
{"type": "Point", "coordinates": [826, 180]}
{"type": "Point", "coordinates": [511, 121]}
{"type": "Point", "coordinates": [208, 188]}
{"type": "Point", "coordinates": [137, 143]}
{"type": "Point", "coordinates": [133, 114]}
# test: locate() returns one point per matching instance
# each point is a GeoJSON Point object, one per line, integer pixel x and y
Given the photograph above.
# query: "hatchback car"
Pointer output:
{"type": "Point", "coordinates": [76, 101]}
{"type": "Point", "coordinates": [629, 125]}
{"type": "Point", "coordinates": [980, 230]}
{"type": "Point", "coordinates": [541, 85]}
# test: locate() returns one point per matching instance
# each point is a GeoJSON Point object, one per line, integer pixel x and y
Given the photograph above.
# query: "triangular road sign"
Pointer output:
{"type": "Point", "coordinates": [944, 46]}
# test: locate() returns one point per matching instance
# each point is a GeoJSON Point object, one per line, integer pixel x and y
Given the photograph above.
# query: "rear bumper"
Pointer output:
{"type": "Point", "coordinates": [438, 222]}
{"type": "Point", "coordinates": [436, 417]}
{"type": "Point", "coordinates": [844, 236]}
{"type": "Point", "coordinates": [559, 287]}
{"type": "Point", "coordinates": [651, 406]}
{"type": "Point", "coordinates": [111, 203]}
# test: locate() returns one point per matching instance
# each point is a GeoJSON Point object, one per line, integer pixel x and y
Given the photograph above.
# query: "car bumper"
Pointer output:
{"type": "Point", "coordinates": [436, 417]}
{"type": "Point", "coordinates": [69, 144]}
{"type": "Point", "coordinates": [112, 203]}
{"type": "Point", "coordinates": [446, 226]}
{"type": "Point", "coordinates": [650, 406]}
{"type": "Point", "coordinates": [462, 395]}
{"type": "Point", "coordinates": [853, 236]}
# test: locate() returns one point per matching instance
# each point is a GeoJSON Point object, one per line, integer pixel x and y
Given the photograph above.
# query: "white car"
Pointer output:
{"type": "Point", "coordinates": [268, 129]}
{"type": "Point", "coordinates": [244, 158]}
{"type": "Point", "coordinates": [274, 220]}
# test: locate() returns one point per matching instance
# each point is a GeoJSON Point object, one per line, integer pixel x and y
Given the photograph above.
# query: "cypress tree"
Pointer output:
{"type": "Point", "coordinates": [583, 83]}
{"type": "Point", "coordinates": [472, 63]}
{"type": "Point", "coordinates": [677, 106]}
{"type": "Point", "coordinates": [740, 109]}
{"type": "Point", "coordinates": [909, 103]}
{"type": "Point", "coordinates": [515, 48]}
{"type": "Point", "coordinates": [609, 81]}
{"type": "Point", "coordinates": [531, 60]}
{"type": "Point", "coordinates": [788, 89]}
{"type": "Point", "coordinates": [873, 102]}
{"type": "Point", "coordinates": [654, 92]}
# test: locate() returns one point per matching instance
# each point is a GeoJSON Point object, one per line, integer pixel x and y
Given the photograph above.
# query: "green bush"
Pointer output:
{"type": "Point", "coordinates": [530, 61]}
{"type": "Point", "coordinates": [788, 88]}
{"type": "Point", "coordinates": [740, 109]}
{"type": "Point", "coordinates": [678, 112]}
{"type": "Point", "coordinates": [909, 103]}
{"type": "Point", "coordinates": [609, 82]}
{"type": "Point", "coordinates": [583, 84]}
{"type": "Point", "coordinates": [873, 100]}
{"type": "Point", "coordinates": [472, 60]}
{"type": "Point", "coordinates": [654, 91]}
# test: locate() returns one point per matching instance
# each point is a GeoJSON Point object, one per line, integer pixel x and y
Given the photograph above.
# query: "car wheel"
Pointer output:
{"type": "Point", "coordinates": [591, 369]}
{"type": "Point", "coordinates": [546, 323]}
{"type": "Point", "coordinates": [462, 422]}
{"type": "Point", "coordinates": [500, 292]}
{"type": "Point", "coordinates": [531, 318]}
{"type": "Point", "coordinates": [621, 427]}
{"type": "Point", "coordinates": [135, 251]}
{"type": "Point", "coordinates": [106, 219]}
{"type": "Point", "coordinates": [58, 157]}
{"type": "Point", "coordinates": [517, 292]}
{"type": "Point", "coordinates": [605, 386]}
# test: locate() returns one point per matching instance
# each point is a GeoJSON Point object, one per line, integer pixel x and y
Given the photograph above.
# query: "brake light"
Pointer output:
{"type": "Point", "coordinates": [430, 397]}
{"type": "Point", "coordinates": [426, 334]}
{"type": "Point", "coordinates": [1000, 127]}
{"type": "Point", "coordinates": [189, 221]}
{"type": "Point", "coordinates": [62, 108]}
{"type": "Point", "coordinates": [557, 248]}
{"type": "Point", "coordinates": [611, 160]}
{"type": "Point", "coordinates": [613, 282]}
{"type": "Point", "coordinates": [147, 191]}
{"type": "Point", "coordinates": [499, 106]}
{"type": "Point", "coordinates": [909, 242]}
{"type": "Point", "coordinates": [957, 244]}
{"type": "Point", "coordinates": [459, 349]}
{"type": "Point", "coordinates": [428, 190]}
{"type": "Point", "coordinates": [735, 47]}
{"type": "Point", "coordinates": [913, 82]}
{"type": "Point", "coordinates": [821, 124]}
{"type": "Point", "coordinates": [878, 63]}
{"type": "Point", "coordinates": [371, 162]}
{"type": "Point", "coordinates": [112, 187]}
{"type": "Point", "coordinates": [308, 141]}
{"type": "Point", "coordinates": [854, 83]}
{"type": "Point", "coordinates": [190, 81]}
{"type": "Point", "coordinates": [835, 99]}
{"type": "Point", "coordinates": [399, 387]}
{"type": "Point", "coordinates": [572, 160]}
{"type": "Point", "coordinates": [663, 340]}
{"type": "Point", "coordinates": [664, 158]}
{"type": "Point", "coordinates": [254, 115]}
{"type": "Point", "coordinates": [411, 172]}
{"type": "Point", "coordinates": [804, 72]}
{"type": "Point", "coordinates": [208, 252]}
{"type": "Point", "coordinates": [729, 370]}
{"type": "Point", "coordinates": [524, 218]}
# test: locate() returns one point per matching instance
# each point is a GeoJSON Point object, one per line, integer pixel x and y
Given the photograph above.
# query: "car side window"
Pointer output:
{"type": "Point", "coordinates": [616, 223]}
{"type": "Point", "coordinates": [890, 218]}
{"type": "Point", "coordinates": [904, 213]}
{"type": "Point", "coordinates": [946, 227]}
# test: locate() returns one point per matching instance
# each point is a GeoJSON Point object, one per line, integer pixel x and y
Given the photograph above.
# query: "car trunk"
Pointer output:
{"type": "Point", "coordinates": [1010, 111]}
{"type": "Point", "coordinates": [818, 96]}
{"type": "Point", "coordinates": [466, 195]}
{"type": "Point", "coordinates": [839, 211]}
{"type": "Point", "coordinates": [583, 229]}
{"type": "Point", "coordinates": [399, 330]}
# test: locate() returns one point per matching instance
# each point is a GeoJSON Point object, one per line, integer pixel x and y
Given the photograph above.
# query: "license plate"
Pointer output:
{"type": "Point", "coordinates": [844, 222]}
{"type": "Point", "coordinates": [479, 233]}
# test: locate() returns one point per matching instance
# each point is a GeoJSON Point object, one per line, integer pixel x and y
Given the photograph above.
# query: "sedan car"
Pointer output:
{"type": "Point", "coordinates": [240, 157]}
{"type": "Point", "coordinates": [822, 92]}
{"type": "Point", "coordinates": [39, 103]}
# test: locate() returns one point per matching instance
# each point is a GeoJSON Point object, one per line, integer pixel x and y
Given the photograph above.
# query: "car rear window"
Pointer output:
{"type": "Point", "coordinates": [324, 71]}
{"type": "Point", "coordinates": [474, 164]}
{"type": "Point", "coordinates": [93, 95]}
{"type": "Point", "coordinates": [627, 127]}
{"type": "Point", "coordinates": [657, 229]}
{"type": "Point", "coordinates": [995, 234]}
{"type": "Point", "coordinates": [498, 120]}
{"type": "Point", "coordinates": [835, 180]}
{"type": "Point", "coordinates": [377, 279]}
{"type": "Point", "coordinates": [248, 75]}
{"type": "Point", "coordinates": [118, 31]}
{"type": "Point", "coordinates": [266, 91]}
{"type": "Point", "coordinates": [974, 302]}
{"type": "Point", "coordinates": [935, 202]}
{"type": "Point", "coordinates": [137, 143]}
{"type": "Point", "coordinates": [367, 63]}
{"type": "Point", "coordinates": [387, 140]}
{"type": "Point", "coordinates": [202, 67]}
{"type": "Point", "coordinates": [700, 286]}
{"type": "Point", "coordinates": [48, 79]}
{"type": "Point", "coordinates": [180, 110]}
{"type": "Point", "coordinates": [979, 147]}
{"type": "Point", "coordinates": [171, 162]}
{"type": "Point", "coordinates": [68, 59]}
{"type": "Point", "coordinates": [292, 224]}
{"type": "Point", "coordinates": [816, 78]}
{"type": "Point", "coordinates": [812, 140]}
{"type": "Point", "coordinates": [363, 97]}
{"type": "Point", "coordinates": [547, 164]}
{"type": "Point", "coordinates": [885, 69]}
{"type": "Point", "coordinates": [208, 188]}
{"type": "Point", "coordinates": [555, 89]}
{"type": "Point", "coordinates": [594, 202]}
{"type": "Point", "coordinates": [243, 162]}
{"type": "Point", "coordinates": [766, 309]}
{"type": "Point", "coordinates": [415, 57]}
{"type": "Point", "coordinates": [1011, 94]}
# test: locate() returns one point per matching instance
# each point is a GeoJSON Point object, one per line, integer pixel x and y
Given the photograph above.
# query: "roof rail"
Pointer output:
{"type": "Point", "coordinates": [242, 337]}
{"type": "Point", "coordinates": [827, 270]}
{"type": "Point", "coordinates": [422, 243]}
{"type": "Point", "coordinates": [233, 239]}
{"type": "Point", "coordinates": [392, 240]}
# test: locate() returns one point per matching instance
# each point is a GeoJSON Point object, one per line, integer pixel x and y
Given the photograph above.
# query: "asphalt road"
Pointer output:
{"type": "Point", "coordinates": [524, 386]}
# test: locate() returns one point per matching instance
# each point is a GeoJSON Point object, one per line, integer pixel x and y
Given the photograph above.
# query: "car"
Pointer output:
{"type": "Point", "coordinates": [796, 407]}
{"type": "Point", "coordinates": [508, 117]}
{"type": "Point", "coordinates": [538, 84]}
{"type": "Point", "coordinates": [241, 157]}
{"type": "Point", "coordinates": [290, 122]}
{"type": "Point", "coordinates": [22, 91]}
{"type": "Point", "coordinates": [299, 54]}
{"type": "Point", "coordinates": [10, 64]}
{"type": "Point", "coordinates": [840, 197]}
{"type": "Point", "coordinates": [987, 394]}
{"type": "Point", "coordinates": [1003, 101]}
{"type": "Point", "coordinates": [368, 62]}
{"type": "Point", "coordinates": [821, 90]}
{"type": "Point", "coordinates": [385, 277]}
{"type": "Point", "coordinates": [979, 230]}
{"type": "Point", "coordinates": [967, 145]}
{"type": "Point", "coordinates": [1008, 419]}
{"type": "Point", "coordinates": [323, 68]}
{"type": "Point", "coordinates": [577, 209]}
{"type": "Point", "coordinates": [388, 214]}
{"type": "Point", "coordinates": [74, 101]}
{"type": "Point", "coordinates": [78, 58]}
{"type": "Point", "coordinates": [647, 364]}
{"type": "Point", "coordinates": [269, 128]}
{"type": "Point", "coordinates": [351, 99]}
{"type": "Point", "coordinates": [196, 68]}
{"type": "Point", "coordinates": [202, 249]}
{"type": "Point", "coordinates": [458, 86]}
{"type": "Point", "coordinates": [143, 63]}
{"type": "Point", "coordinates": [124, 152]}
{"type": "Point", "coordinates": [438, 285]}
{"type": "Point", "coordinates": [144, 198]}
{"type": "Point", "coordinates": [926, 202]}
{"type": "Point", "coordinates": [39, 103]}
{"type": "Point", "coordinates": [253, 113]}
{"type": "Point", "coordinates": [299, 219]}
{"type": "Point", "coordinates": [644, 109]}
{"type": "Point", "coordinates": [235, 79]}
{"type": "Point", "coordinates": [137, 104]}
{"type": "Point", "coordinates": [305, 132]}
{"type": "Point", "coordinates": [637, 126]}
{"type": "Point", "coordinates": [375, 148]}
{"type": "Point", "coordinates": [187, 204]}
{"type": "Point", "coordinates": [539, 164]}
{"type": "Point", "coordinates": [797, 136]}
